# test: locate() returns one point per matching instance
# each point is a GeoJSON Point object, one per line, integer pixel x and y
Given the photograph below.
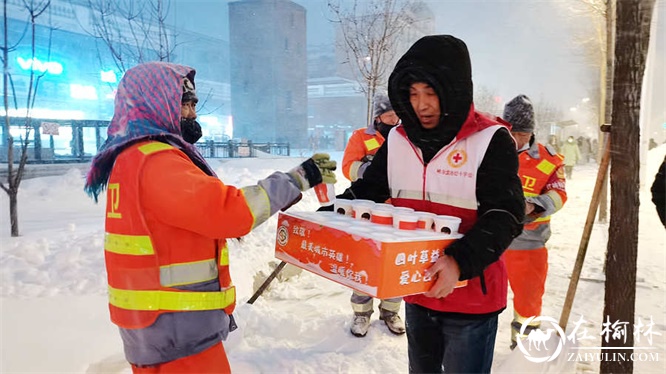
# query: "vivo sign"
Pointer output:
{"type": "Point", "coordinates": [51, 67]}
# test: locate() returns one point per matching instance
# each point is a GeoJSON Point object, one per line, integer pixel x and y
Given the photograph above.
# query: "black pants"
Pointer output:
{"type": "Point", "coordinates": [440, 343]}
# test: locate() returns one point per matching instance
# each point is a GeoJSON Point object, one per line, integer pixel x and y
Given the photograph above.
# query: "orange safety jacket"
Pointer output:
{"type": "Point", "coordinates": [147, 260]}
{"type": "Point", "coordinates": [541, 172]}
{"type": "Point", "coordinates": [363, 142]}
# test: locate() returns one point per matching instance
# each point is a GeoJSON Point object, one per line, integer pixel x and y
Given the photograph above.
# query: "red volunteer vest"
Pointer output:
{"type": "Point", "coordinates": [447, 185]}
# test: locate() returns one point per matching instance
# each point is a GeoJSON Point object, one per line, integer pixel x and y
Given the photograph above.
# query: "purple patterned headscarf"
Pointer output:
{"type": "Point", "coordinates": [147, 107]}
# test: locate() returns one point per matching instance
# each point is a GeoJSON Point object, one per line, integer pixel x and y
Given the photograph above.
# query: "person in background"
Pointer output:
{"type": "Point", "coordinates": [167, 220]}
{"type": "Point", "coordinates": [658, 191]}
{"type": "Point", "coordinates": [571, 155]}
{"type": "Point", "coordinates": [652, 144]}
{"type": "Point", "coordinates": [584, 148]}
{"type": "Point", "coordinates": [446, 158]}
{"type": "Point", "coordinates": [542, 173]}
{"type": "Point", "coordinates": [364, 143]}
{"type": "Point", "coordinates": [553, 142]}
{"type": "Point", "coordinates": [361, 148]}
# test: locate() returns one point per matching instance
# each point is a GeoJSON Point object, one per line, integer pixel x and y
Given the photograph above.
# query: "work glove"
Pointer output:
{"type": "Point", "coordinates": [317, 169]}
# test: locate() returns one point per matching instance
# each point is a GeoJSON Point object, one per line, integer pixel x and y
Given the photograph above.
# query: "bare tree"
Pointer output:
{"type": "Point", "coordinates": [131, 32]}
{"type": "Point", "coordinates": [35, 9]}
{"type": "Point", "coordinates": [633, 34]}
{"type": "Point", "coordinates": [546, 114]}
{"type": "Point", "coordinates": [487, 101]}
{"type": "Point", "coordinates": [598, 53]}
{"type": "Point", "coordinates": [371, 31]}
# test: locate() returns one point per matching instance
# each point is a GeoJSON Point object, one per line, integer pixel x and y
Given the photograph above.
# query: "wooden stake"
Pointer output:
{"type": "Point", "coordinates": [587, 231]}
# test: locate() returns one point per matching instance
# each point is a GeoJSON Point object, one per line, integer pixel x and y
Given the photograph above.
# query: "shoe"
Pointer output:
{"type": "Point", "coordinates": [515, 333]}
{"type": "Point", "coordinates": [393, 322]}
{"type": "Point", "coordinates": [360, 325]}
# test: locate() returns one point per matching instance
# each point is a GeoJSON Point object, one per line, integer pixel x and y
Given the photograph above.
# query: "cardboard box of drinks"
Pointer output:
{"type": "Point", "coordinates": [384, 256]}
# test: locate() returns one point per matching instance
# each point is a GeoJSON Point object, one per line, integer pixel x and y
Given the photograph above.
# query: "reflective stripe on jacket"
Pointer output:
{"type": "Point", "coordinates": [542, 175]}
{"type": "Point", "coordinates": [447, 185]}
{"type": "Point", "coordinates": [147, 261]}
{"type": "Point", "coordinates": [362, 143]}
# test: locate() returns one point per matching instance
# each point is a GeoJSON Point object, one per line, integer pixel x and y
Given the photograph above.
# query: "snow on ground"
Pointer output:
{"type": "Point", "coordinates": [54, 316]}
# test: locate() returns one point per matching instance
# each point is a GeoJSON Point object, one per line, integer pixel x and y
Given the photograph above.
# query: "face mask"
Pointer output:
{"type": "Point", "coordinates": [383, 129]}
{"type": "Point", "coordinates": [190, 130]}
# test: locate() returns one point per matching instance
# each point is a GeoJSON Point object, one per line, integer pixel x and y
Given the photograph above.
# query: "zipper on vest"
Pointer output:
{"type": "Point", "coordinates": [423, 187]}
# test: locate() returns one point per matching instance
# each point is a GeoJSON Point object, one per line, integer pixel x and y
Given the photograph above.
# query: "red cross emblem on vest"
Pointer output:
{"type": "Point", "coordinates": [457, 158]}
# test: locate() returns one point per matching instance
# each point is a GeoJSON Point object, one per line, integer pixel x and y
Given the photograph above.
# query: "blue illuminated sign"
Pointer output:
{"type": "Point", "coordinates": [52, 67]}
{"type": "Point", "coordinates": [108, 76]}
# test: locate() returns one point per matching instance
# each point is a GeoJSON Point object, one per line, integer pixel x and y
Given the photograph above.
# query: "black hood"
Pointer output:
{"type": "Point", "coordinates": [441, 61]}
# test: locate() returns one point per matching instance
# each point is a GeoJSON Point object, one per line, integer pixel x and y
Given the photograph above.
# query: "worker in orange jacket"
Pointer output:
{"type": "Point", "coordinates": [541, 171]}
{"type": "Point", "coordinates": [362, 146]}
{"type": "Point", "coordinates": [167, 220]}
{"type": "Point", "coordinates": [364, 143]}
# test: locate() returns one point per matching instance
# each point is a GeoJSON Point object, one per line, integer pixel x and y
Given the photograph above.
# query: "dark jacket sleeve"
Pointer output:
{"type": "Point", "coordinates": [659, 192]}
{"type": "Point", "coordinates": [501, 209]}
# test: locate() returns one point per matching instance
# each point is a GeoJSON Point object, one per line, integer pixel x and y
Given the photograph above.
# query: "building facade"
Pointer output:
{"type": "Point", "coordinates": [81, 50]}
{"type": "Point", "coordinates": [268, 70]}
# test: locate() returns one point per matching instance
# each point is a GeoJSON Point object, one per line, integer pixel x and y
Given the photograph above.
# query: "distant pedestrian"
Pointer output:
{"type": "Point", "coordinates": [652, 144]}
{"type": "Point", "coordinates": [571, 155]}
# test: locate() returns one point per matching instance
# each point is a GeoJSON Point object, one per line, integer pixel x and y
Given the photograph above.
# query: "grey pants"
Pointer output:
{"type": "Point", "coordinates": [363, 304]}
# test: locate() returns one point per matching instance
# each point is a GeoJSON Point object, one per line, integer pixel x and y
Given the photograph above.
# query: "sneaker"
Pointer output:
{"type": "Point", "coordinates": [360, 325]}
{"type": "Point", "coordinates": [393, 322]}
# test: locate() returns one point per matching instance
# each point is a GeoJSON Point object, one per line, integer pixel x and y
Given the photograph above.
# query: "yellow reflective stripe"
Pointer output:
{"type": "Point", "coordinates": [135, 245]}
{"type": "Point", "coordinates": [546, 167]}
{"type": "Point", "coordinates": [371, 144]}
{"type": "Point", "coordinates": [153, 147]}
{"type": "Point", "coordinates": [542, 219]}
{"type": "Point", "coordinates": [188, 273]}
{"type": "Point", "coordinates": [530, 194]}
{"type": "Point", "coordinates": [258, 202]}
{"type": "Point", "coordinates": [171, 300]}
{"type": "Point", "coordinates": [224, 255]}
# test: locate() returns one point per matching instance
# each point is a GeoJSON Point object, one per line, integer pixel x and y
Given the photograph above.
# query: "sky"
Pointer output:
{"type": "Point", "coordinates": [516, 46]}
{"type": "Point", "coordinates": [54, 316]}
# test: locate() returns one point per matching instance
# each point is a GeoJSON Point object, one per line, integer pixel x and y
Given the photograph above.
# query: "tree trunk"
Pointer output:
{"type": "Point", "coordinates": [620, 292]}
{"type": "Point", "coordinates": [13, 212]}
{"type": "Point", "coordinates": [607, 104]}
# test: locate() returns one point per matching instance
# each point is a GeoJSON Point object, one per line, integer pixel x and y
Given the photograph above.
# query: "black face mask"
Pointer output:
{"type": "Point", "coordinates": [383, 128]}
{"type": "Point", "coordinates": [190, 130]}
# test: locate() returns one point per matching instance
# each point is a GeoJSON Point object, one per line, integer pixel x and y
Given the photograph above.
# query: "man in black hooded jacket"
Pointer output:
{"type": "Point", "coordinates": [446, 158]}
